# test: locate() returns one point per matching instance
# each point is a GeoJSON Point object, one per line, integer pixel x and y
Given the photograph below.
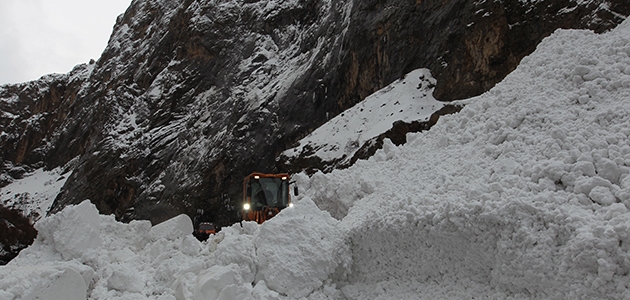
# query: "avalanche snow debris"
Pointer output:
{"type": "Point", "coordinates": [172, 229]}
{"type": "Point", "coordinates": [537, 230]}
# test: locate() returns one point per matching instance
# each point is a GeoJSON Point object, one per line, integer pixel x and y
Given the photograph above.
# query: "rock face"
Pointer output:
{"type": "Point", "coordinates": [190, 96]}
{"type": "Point", "coordinates": [16, 233]}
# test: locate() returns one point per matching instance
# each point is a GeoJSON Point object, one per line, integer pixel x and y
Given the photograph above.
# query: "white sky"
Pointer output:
{"type": "Point", "coordinates": [39, 37]}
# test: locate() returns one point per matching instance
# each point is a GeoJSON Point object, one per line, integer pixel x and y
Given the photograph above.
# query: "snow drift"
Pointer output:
{"type": "Point", "coordinates": [522, 195]}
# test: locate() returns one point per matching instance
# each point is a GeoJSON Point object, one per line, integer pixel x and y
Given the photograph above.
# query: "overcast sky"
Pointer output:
{"type": "Point", "coordinates": [39, 37]}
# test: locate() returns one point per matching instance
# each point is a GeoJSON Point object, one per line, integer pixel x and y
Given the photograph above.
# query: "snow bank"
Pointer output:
{"type": "Point", "coordinates": [114, 260]}
{"type": "Point", "coordinates": [298, 253]}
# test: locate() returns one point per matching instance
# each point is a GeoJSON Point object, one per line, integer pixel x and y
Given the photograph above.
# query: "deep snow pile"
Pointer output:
{"type": "Point", "coordinates": [80, 254]}
{"type": "Point", "coordinates": [523, 194]}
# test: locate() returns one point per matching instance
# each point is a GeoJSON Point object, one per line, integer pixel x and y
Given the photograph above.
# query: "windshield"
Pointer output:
{"type": "Point", "coordinates": [272, 192]}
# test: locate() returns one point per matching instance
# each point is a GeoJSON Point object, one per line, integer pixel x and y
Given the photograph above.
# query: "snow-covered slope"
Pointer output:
{"type": "Point", "coordinates": [408, 99]}
{"type": "Point", "coordinates": [35, 193]}
{"type": "Point", "coordinates": [522, 195]}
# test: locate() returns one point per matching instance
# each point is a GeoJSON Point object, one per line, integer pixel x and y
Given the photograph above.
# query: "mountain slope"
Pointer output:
{"type": "Point", "coordinates": [190, 96]}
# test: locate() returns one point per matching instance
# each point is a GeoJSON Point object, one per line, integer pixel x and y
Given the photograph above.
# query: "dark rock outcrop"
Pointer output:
{"type": "Point", "coordinates": [16, 233]}
{"type": "Point", "coordinates": [32, 112]}
{"type": "Point", "coordinates": [190, 96]}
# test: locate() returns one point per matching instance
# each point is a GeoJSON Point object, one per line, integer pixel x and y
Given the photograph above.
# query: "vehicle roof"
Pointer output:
{"type": "Point", "coordinates": [265, 175]}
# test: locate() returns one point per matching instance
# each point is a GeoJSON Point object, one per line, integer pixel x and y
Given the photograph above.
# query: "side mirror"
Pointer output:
{"type": "Point", "coordinates": [295, 191]}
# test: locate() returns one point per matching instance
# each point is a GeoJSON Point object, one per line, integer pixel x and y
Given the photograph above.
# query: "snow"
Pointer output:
{"type": "Point", "coordinates": [172, 229]}
{"type": "Point", "coordinates": [46, 282]}
{"type": "Point", "coordinates": [68, 239]}
{"type": "Point", "coordinates": [524, 194]}
{"type": "Point", "coordinates": [314, 237]}
{"type": "Point", "coordinates": [35, 193]}
{"type": "Point", "coordinates": [408, 99]}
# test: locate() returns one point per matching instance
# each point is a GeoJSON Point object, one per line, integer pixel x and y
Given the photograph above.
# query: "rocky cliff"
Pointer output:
{"type": "Point", "coordinates": [190, 96]}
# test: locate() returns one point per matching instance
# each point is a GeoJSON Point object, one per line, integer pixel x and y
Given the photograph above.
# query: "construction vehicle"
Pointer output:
{"type": "Point", "coordinates": [264, 196]}
{"type": "Point", "coordinates": [207, 228]}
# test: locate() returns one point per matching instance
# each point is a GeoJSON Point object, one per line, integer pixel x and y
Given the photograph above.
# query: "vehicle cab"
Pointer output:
{"type": "Point", "coordinates": [264, 196]}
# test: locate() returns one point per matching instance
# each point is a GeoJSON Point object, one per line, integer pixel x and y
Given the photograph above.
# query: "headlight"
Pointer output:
{"type": "Point", "coordinates": [246, 206]}
{"type": "Point", "coordinates": [290, 204]}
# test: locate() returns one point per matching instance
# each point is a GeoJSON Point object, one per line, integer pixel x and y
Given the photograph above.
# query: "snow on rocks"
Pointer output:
{"type": "Point", "coordinates": [35, 193]}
